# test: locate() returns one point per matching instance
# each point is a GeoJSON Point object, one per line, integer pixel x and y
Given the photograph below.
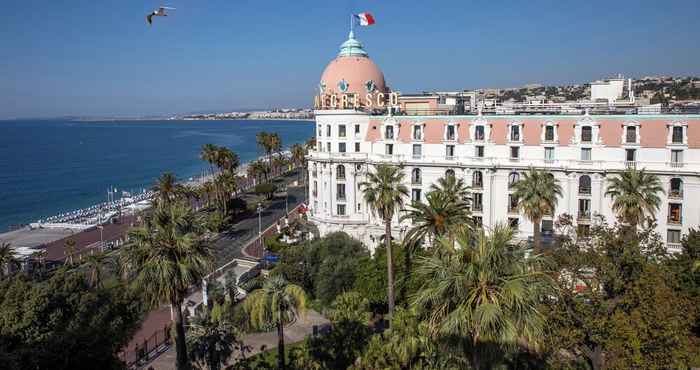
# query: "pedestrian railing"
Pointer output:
{"type": "Point", "coordinates": [143, 353]}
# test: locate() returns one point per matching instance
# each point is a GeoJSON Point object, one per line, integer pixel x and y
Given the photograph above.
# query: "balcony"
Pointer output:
{"type": "Point", "coordinates": [416, 181]}
{"type": "Point", "coordinates": [583, 215]}
{"type": "Point", "coordinates": [630, 165]}
{"type": "Point", "coordinates": [676, 164]}
{"type": "Point", "coordinates": [477, 207]}
{"type": "Point", "coordinates": [340, 197]}
{"type": "Point", "coordinates": [675, 194]}
{"type": "Point", "coordinates": [675, 220]}
{"type": "Point", "coordinates": [584, 190]}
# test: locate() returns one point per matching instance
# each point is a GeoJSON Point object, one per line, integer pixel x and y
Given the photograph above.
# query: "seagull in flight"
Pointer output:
{"type": "Point", "coordinates": [160, 12]}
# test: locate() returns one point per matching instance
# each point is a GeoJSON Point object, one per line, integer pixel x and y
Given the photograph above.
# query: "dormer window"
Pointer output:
{"type": "Point", "coordinates": [631, 135]}
{"type": "Point", "coordinates": [451, 132]}
{"type": "Point", "coordinates": [586, 134]}
{"type": "Point", "coordinates": [479, 133]}
{"type": "Point", "coordinates": [417, 132]}
{"type": "Point", "coordinates": [389, 132]}
{"type": "Point", "coordinates": [370, 86]}
{"type": "Point", "coordinates": [343, 85]}
{"type": "Point", "coordinates": [549, 133]}
{"type": "Point", "coordinates": [677, 135]}
{"type": "Point", "coordinates": [514, 132]}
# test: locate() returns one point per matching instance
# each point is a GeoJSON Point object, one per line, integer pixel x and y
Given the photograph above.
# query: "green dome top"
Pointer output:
{"type": "Point", "coordinates": [352, 47]}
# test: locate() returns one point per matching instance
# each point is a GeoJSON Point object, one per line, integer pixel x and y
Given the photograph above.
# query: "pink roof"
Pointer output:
{"type": "Point", "coordinates": [610, 132]}
{"type": "Point", "coordinates": [654, 134]}
{"type": "Point", "coordinates": [356, 71]}
{"type": "Point", "coordinates": [565, 131]}
{"type": "Point", "coordinates": [532, 131]}
{"type": "Point", "coordinates": [499, 130]}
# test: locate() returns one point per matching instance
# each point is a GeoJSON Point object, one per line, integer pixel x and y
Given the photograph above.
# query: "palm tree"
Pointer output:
{"type": "Point", "coordinates": [442, 215]}
{"type": "Point", "coordinates": [168, 190]}
{"type": "Point", "coordinates": [95, 263]}
{"type": "Point", "coordinates": [299, 159]}
{"type": "Point", "coordinates": [384, 192]}
{"type": "Point", "coordinates": [278, 302]}
{"type": "Point", "coordinates": [209, 154]}
{"type": "Point", "coordinates": [210, 342]}
{"type": "Point", "coordinates": [257, 169]}
{"type": "Point", "coordinates": [7, 259]}
{"type": "Point", "coordinates": [537, 193]}
{"type": "Point", "coordinates": [635, 194]}
{"type": "Point", "coordinates": [167, 255]}
{"type": "Point", "coordinates": [453, 187]}
{"type": "Point", "coordinates": [69, 249]}
{"type": "Point", "coordinates": [485, 292]}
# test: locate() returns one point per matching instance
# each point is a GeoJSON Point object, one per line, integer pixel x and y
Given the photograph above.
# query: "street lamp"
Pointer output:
{"type": "Point", "coordinates": [286, 200]}
{"type": "Point", "coordinates": [260, 209]}
{"type": "Point", "coordinates": [102, 241]}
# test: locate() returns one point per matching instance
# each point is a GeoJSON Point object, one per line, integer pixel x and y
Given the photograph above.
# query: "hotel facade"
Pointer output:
{"type": "Point", "coordinates": [361, 122]}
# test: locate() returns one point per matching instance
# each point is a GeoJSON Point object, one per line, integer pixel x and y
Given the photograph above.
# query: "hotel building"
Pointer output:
{"type": "Point", "coordinates": [360, 123]}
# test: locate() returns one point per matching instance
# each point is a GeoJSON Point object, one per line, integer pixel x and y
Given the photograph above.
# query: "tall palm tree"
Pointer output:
{"type": "Point", "coordinates": [453, 187]}
{"type": "Point", "coordinates": [485, 292]}
{"type": "Point", "coordinates": [227, 160]}
{"type": "Point", "coordinates": [278, 302]}
{"type": "Point", "coordinates": [167, 255]}
{"type": "Point", "coordinates": [384, 192]}
{"type": "Point", "coordinates": [210, 342]}
{"type": "Point", "coordinates": [537, 193]}
{"type": "Point", "coordinates": [209, 154]}
{"type": "Point", "coordinates": [299, 159]}
{"type": "Point", "coordinates": [7, 259]}
{"type": "Point", "coordinates": [442, 215]}
{"type": "Point", "coordinates": [95, 264]}
{"type": "Point", "coordinates": [69, 249]}
{"type": "Point", "coordinates": [257, 169]}
{"type": "Point", "coordinates": [168, 190]}
{"type": "Point", "coordinates": [635, 195]}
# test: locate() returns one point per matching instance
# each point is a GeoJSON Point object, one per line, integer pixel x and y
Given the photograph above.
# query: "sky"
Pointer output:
{"type": "Point", "coordinates": [100, 58]}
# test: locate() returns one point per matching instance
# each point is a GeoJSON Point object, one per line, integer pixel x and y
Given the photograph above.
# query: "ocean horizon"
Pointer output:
{"type": "Point", "coordinates": [49, 167]}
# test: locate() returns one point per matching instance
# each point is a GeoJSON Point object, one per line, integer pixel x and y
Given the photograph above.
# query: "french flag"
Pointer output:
{"type": "Point", "coordinates": [365, 19]}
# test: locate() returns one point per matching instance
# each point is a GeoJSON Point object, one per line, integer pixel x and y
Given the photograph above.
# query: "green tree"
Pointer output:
{"type": "Point", "coordinates": [95, 264]}
{"type": "Point", "coordinates": [442, 215]}
{"type": "Point", "coordinates": [276, 303]}
{"type": "Point", "coordinates": [384, 192]}
{"type": "Point", "coordinates": [453, 188]}
{"type": "Point", "coordinates": [537, 193]}
{"type": "Point", "coordinates": [635, 194]}
{"type": "Point", "coordinates": [211, 342]}
{"type": "Point", "coordinates": [485, 292]}
{"type": "Point", "coordinates": [168, 190]}
{"type": "Point", "coordinates": [69, 249]}
{"type": "Point", "coordinates": [270, 143]}
{"type": "Point", "coordinates": [258, 170]}
{"type": "Point", "coordinates": [167, 255]}
{"type": "Point", "coordinates": [299, 159]}
{"type": "Point", "coordinates": [350, 306]}
{"type": "Point", "coordinates": [7, 259]}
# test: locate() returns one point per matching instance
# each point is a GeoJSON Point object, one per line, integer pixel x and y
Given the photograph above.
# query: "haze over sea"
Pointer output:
{"type": "Point", "coordinates": [53, 166]}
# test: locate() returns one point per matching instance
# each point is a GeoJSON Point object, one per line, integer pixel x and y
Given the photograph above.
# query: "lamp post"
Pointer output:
{"type": "Point", "coordinates": [260, 209]}
{"type": "Point", "coordinates": [286, 200]}
{"type": "Point", "coordinates": [102, 242]}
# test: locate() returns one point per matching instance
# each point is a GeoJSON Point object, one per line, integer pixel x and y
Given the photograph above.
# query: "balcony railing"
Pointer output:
{"type": "Point", "coordinates": [675, 164]}
{"type": "Point", "coordinates": [630, 164]}
{"type": "Point", "coordinates": [584, 190]}
{"type": "Point", "coordinates": [584, 215]}
{"type": "Point", "coordinates": [340, 197]}
{"type": "Point", "coordinates": [477, 185]}
{"type": "Point", "coordinates": [675, 194]}
{"type": "Point", "coordinates": [673, 220]}
{"type": "Point", "coordinates": [416, 181]}
{"type": "Point", "coordinates": [477, 207]}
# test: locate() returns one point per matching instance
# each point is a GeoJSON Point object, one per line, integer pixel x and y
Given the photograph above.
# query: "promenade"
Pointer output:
{"type": "Point", "coordinates": [227, 246]}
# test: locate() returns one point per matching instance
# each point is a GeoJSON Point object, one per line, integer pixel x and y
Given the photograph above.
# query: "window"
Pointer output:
{"type": "Point", "coordinates": [479, 133]}
{"type": "Point", "coordinates": [676, 156]}
{"type": "Point", "coordinates": [514, 152]}
{"type": "Point", "coordinates": [479, 151]}
{"type": "Point", "coordinates": [513, 177]}
{"type": "Point", "coordinates": [548, 154]}
{"type": "Point", "coordinates": [676, 190]}
{"type": "Point", "coordinates": [341, 147]}
{"type": "Point", "coordinates": [549, 133]}
{"type": "Point", "coordinates": [630, 155]}
{"type": "Point", "coordinates": [340, 172]}
{"type": "Point", "coordinates": [357, 147]}
{"type": "Point", "coordinates": [675, 213]}
{"type": "Point", "coordinates": [340, 194]}
{"type": "Point", "coordinates": [328, 146]}
{"type": "Point", "coordinates": [341, 209]}
{"type": "Point", "coordinates": [320, 130]}
{"type": "Point", "coordinates": [584, 185]}
{"type": "Point", "coordinates": [417, 151]}
{"type": "Point", "coordinates": [585, 154]}
{"type": "Point", "coordinates": [416, 176]}
{"type": "Point", "coordinates": [357, 129]}
{"type": "Point", "coordinates": [515, 133]}
{"type": "Point", "coordinates": [586, 134]}
{"type": "Point", "coordinates": [450, 173]}
{"type": "Point", "coordinates": [478, 221]}
{"type": "Point", "coordinates": [512, 204]}
{"type": "Point", "coordinates": [450, 134]}
{"type": "Point", "coordinates": [389, 149]}
{"type": "Point", "coordinates": [513, 222]}
{"type": "Point", "coordinates": [630, 134]}
{"type": "Point", "coordinates": [328, 130]}
{"type": "Point", "coordinates": [477, 201]}
{"type": "Point", "coordinates": [415, 195]}
{"type": "Point", "coordinates": [477, 180]}
{"type": "Point", "coordinates": [315, 188]}
{"type": "Point", "coordinates": [584, 209]}
{"type": "Point", "coordinates": [319, 146]}
{"type": "Point", "coordinates": [359, 207]}
{"type": "Point", "coordinates": [341, 131]}
{"type": "Point", "coordinates": [450, 151]}
{"type": "Point", "coordinates": [547, 227]}
{"type": "Point", "coordinates": [673, 236]}
{"type": "Point", "coordinates": [314, 171]}
{"type": "Point", "coordinates": [389, 132]}
{"type": "Point", "coordinates": [677, 135]}
{"type": "Point", "coordinates": [417, 132]}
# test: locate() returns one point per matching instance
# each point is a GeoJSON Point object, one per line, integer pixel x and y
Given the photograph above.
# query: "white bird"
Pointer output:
{"type": "Point", "coordinates": [160, 12]}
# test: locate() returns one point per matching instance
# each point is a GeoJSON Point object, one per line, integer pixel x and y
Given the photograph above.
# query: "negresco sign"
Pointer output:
{"type": "Point", "coordinates": [348, 101]}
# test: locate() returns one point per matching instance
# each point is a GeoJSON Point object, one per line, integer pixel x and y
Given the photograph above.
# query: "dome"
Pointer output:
{"type": "Point", "coordinates": [352, 72]}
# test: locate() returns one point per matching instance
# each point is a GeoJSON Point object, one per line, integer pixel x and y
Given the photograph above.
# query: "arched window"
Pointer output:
{"type": "Point", "coordinates": [586, 134]}
{"type": "Point", "coordinates": [449, 172]}
{"type": "Point", "coordinates": [584, 184]}
{"type": "Point", "coordinates": [415, 176]}
{"type": "Point", "coordinates": [477, 180]}
{"type": "Point", "coordinates": [340, 172]}
{"type": "Point", "coordinates": [676, 190]}
{"type": "Point", "coordinates": [513, 177]}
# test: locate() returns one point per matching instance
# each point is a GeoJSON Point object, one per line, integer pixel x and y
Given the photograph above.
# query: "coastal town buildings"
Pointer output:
{"type": "Point", "coordinates": [361, 122]}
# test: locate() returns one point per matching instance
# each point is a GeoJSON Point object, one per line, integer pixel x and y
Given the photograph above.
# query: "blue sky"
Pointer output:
{"type": "Point", "coordinates": [98, 57]}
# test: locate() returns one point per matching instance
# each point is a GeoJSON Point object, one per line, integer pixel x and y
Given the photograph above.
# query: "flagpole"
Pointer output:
{"type": "Point", "coordinates": [351, 22]}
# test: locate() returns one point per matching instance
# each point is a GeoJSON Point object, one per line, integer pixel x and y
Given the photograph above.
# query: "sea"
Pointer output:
{"type": "Point", "coordinates": [49, 167]}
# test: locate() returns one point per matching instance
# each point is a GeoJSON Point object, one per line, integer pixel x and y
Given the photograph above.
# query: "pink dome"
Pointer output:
{"type": "Point", "coordinates": [358, 73]}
